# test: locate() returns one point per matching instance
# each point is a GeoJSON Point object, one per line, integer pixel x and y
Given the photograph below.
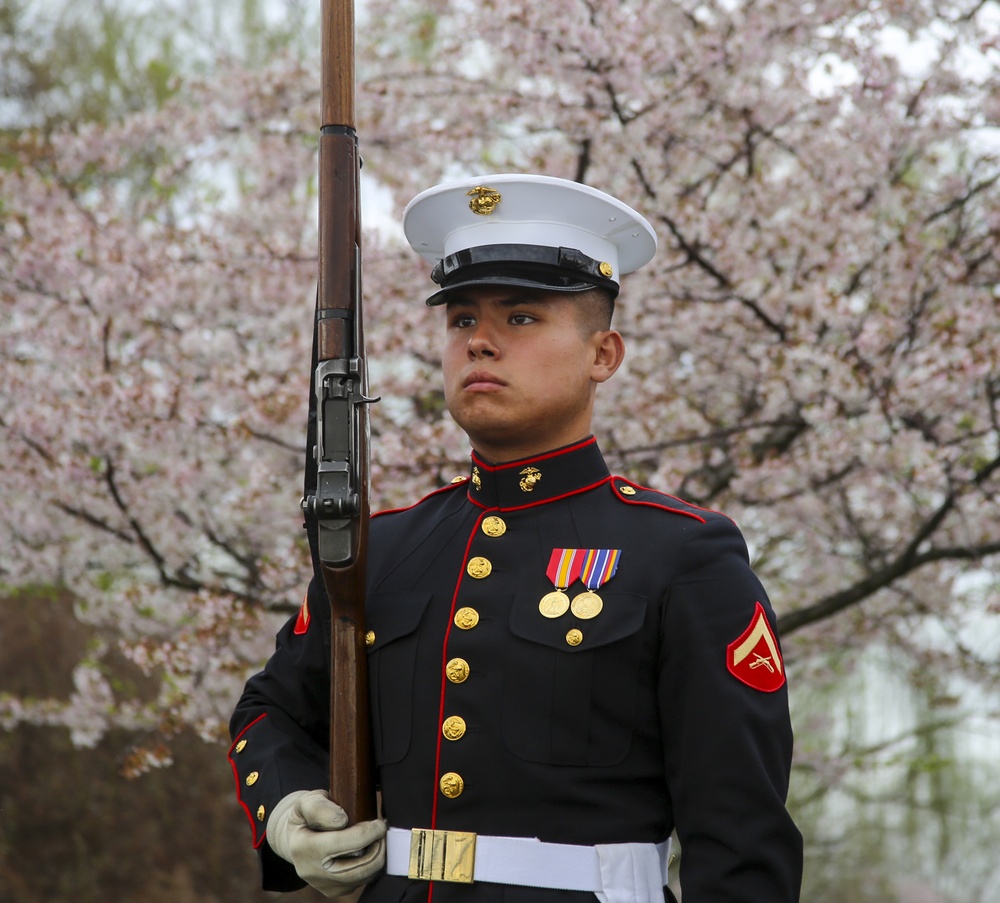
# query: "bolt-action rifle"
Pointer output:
{"type": "Point", "coordinates": [336, 501]}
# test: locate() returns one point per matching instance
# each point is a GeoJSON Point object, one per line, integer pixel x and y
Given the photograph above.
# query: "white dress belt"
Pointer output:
{"type": "Point", "coordinates": [528, 862]}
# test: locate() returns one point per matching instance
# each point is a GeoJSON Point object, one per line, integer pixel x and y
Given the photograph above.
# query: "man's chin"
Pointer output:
{"type": "Point", "coordinates": [492, 441]}
{"type": "Point", "coordinates": [481, 415]}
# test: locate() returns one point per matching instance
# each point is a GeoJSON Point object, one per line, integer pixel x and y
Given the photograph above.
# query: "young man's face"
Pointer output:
{"type": "Point", "coordinates": [520, 369]}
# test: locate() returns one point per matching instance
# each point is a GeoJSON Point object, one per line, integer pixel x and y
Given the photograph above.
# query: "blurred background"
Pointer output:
{"type": "Point", "coordinates": [815, 351]}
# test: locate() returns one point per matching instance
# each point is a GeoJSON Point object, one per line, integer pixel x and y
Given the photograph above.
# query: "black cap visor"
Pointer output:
{"type": "Point", "coordinates": [526, 266]}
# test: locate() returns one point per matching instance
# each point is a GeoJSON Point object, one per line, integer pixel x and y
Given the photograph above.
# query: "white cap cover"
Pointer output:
{"type": "Point", "coordinates": [526, 230]}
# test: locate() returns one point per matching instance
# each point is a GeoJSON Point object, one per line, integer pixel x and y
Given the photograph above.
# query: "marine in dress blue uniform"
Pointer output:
{"type": "Point", "coordinates": [564, 667]}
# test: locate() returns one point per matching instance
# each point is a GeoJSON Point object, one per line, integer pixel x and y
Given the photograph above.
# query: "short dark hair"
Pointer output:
{"type": "Point", "coordinates": [597, 307]}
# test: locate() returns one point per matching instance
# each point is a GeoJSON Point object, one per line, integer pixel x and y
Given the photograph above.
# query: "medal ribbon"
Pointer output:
{"type": "Point", "coordinates": [564, 566]}
{"type": "Point", "coordinates": [594, 567]}
{"type": "Point", "coordinates": [599, 566]}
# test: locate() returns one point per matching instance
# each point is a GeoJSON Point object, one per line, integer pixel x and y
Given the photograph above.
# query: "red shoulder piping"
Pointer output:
{"type": "Point", "coordinates": [420, 501]}
{"type": "Point", "coordinates": [617, 482]}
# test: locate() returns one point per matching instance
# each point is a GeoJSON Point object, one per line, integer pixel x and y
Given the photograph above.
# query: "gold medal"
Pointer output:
{"type": "Point", "coordinates": [587, 605]}
{"type": "Point", "coordinates": [552, 605]}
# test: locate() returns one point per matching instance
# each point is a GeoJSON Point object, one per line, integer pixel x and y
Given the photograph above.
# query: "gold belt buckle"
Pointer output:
{"type": "Point", "coordinates": [442, 855]}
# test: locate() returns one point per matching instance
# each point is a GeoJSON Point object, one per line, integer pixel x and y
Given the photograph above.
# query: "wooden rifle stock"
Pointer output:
{"type": "Point", "coordinates": [340, 504]}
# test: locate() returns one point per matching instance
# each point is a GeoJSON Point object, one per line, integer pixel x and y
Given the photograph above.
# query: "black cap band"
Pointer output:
{"type": "Point", "coordinates": [531, 266]}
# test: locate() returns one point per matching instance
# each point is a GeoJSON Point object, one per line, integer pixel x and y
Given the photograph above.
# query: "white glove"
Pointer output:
{"type": "Point", "coordinates": [309, 830]}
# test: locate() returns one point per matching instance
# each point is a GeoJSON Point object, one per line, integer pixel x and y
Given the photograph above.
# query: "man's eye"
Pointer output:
{"type": "Point", "coordinates": [463, 321]}
{"type": "Point", "coordinates": [521, 319]}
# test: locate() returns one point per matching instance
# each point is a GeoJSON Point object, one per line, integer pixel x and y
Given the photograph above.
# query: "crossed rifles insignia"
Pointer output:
{"type": "Point", "coordinates": [754, 658]}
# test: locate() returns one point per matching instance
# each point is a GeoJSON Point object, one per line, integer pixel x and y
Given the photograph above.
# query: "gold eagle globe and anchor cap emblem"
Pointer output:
{"type": "Point", "coordinates": [530, 476]}
{"type": "Point", "coordinates": [484, 200]}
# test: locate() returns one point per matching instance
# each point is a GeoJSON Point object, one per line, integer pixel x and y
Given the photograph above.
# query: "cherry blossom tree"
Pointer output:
{"type": "Point", "coordinates": [814, 349]}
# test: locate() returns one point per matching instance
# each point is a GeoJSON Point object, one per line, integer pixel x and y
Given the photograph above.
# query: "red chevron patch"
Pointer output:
{"type": "Point", "coordinates": [754, 658]}
{"type": "Point", "coordinates": [302, 622]}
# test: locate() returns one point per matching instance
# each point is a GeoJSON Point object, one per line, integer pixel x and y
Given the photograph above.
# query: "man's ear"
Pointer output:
{"type": "Point", "coordinates": [609, 352]}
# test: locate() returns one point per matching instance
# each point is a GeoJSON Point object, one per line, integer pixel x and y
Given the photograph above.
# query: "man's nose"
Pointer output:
{"type": "Point", "coordinates": [482, 342]}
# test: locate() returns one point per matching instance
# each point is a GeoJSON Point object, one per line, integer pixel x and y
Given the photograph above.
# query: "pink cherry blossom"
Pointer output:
{"type": "Point", "coordinates": [814, 350]}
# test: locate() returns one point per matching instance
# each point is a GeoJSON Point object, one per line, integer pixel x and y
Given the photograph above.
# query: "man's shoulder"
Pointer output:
{"type": "Point", "coordinates": [443, 496]}
{"type": "Point", "coordinates": [641, 497]}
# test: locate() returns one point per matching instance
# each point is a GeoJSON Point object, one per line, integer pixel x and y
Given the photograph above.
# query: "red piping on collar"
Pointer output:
{"type": "Point", "coordinates": [554, 498]}
{"type": "Point", "coordinates": [520, 462]}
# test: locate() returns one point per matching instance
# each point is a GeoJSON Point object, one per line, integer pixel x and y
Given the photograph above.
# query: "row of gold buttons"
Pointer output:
{"type": "Point", "coordinates": [457, 670]}
{"type": "Point", "coordinates": [251, 779]}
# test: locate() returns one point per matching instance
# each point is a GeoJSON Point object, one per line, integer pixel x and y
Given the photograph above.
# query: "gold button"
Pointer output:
{"type": "Point", "coordinates": [626, 490]}
{"type": "Point", "coordinates": [466, 618]}
{"type": "Point", "coordinates": [494, 526]}
{"type": "Point", "coordinates": [242, 745]}
{"type": "Point", "coordinates": [606, 269]}
{"type": "Point", "coordinates": [252, 778]}
{"type": "Point", "coordinates": [370, 638]}
{"type": "Point", "coordinates": [479, 567]}
{"type": "Point", "coordinates": [574, 637]}
{"type": "Point", "coordinates": [457, 670]}
{"type": "Point", "coordinates": [453, 728]}
{"type": "Point", "coordinates": [451, 785]}
{"type": "Point", "coordinates": [260, 813]}
{"type": "Point", "coordinates": [459, 479]}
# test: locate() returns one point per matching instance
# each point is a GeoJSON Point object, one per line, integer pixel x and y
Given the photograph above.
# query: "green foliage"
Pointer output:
{"type": "Point", "coordinates": [96, 62]}
{"type": "Point", "coordinates": [89, 63]}
{"type": "Point", "coordinates": [31, 593]}
{"type": "Point", "coordinates": [918, 798]}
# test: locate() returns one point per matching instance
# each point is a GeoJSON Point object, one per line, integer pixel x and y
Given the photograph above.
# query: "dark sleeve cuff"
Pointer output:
{"type": "Point", "coordinates": [277, 874]}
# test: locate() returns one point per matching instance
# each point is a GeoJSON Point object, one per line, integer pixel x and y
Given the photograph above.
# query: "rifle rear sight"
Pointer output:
{"type": "Point", "coordinates": [331, 507]}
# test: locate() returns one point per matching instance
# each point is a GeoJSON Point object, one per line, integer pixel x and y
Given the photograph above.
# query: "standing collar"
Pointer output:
{"type": "Point", "coordinates": [538, 479]}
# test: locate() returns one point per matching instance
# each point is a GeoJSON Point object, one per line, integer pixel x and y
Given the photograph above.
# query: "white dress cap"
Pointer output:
{"type": "Point", "coordinates": [526, 230]}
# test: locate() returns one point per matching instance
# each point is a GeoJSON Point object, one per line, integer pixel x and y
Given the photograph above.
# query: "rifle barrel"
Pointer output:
{"type": "Point", "coordinates": [341, 504]}
{"type": "Point", "coordinates": [338, 63]}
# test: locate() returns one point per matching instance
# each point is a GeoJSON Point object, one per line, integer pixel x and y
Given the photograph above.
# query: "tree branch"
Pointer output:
{"type": "Point", "coordinates": [903, 565]}
{"type": "Point", "coordinates": [94, 521]}
{"type": "Point", "coordinates": [908, 561]}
